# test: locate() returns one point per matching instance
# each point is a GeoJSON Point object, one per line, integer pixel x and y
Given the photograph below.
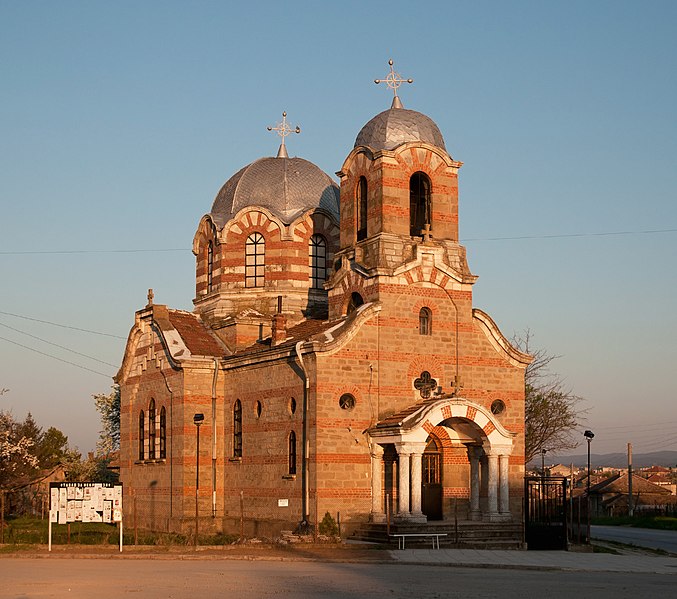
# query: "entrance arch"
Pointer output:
{"type": "Point", "coordinates": [471, 427]}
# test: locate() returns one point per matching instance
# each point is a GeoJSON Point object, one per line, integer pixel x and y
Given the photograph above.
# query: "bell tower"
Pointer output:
{"type": "Point", "coordinates": [399, 203]}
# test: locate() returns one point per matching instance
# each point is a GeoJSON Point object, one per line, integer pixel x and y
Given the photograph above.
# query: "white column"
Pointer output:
{"type": "Point", "coordinates": [504, 495]}
{"type": "Point", "coordinates": [416, 471]}
{"type": "Point", "coordinates": [377, 514]}
{"type": "Point", "coordinates": [474, 458]}
{"type": "Point", "coordinates": [403, 488]}
{"type": "Point", "coordinates": [492, 487]}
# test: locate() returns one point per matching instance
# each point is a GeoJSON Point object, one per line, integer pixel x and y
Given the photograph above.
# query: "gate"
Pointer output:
{"type": "Point", "coordinates": [545, 512]}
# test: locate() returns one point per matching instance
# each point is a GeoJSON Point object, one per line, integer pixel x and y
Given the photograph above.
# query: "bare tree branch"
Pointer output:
{"type": "Point", "coordinates": [552, 411]}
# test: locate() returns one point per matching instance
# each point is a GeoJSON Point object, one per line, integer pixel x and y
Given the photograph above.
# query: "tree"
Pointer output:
{"type": "Point", "coordinates": [551, 409]}
{"type": "Point", "coordinates": [16, 452]}
{"type": "Point", "coordinates": [108, 407]}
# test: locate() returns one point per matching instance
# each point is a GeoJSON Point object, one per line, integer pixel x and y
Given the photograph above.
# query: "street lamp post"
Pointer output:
{"type": "Point", "coordinates": [589, 435]}
{"type": "Point", "coordinates": [543, 452]}
{"type": "Point", "coordinates": [198, 419]}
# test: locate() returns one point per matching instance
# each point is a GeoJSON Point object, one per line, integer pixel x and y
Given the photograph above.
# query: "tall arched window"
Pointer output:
{"type": "Point", "coordinates": [210, 266]}
{"type": "Point", "coordinates": [142, 433]}
{"type": "Point", "coordinates": [237, 429]}
{"type": "Point", "coordinates": [354, 303]}
{"type": "Point", "coordinates": [317, 260]}
{"type": "Point", "coordinates": [151, 430]}
{"type": "Point", "coordinates": [419, 203]}
{"type": "Point", "coordinates": [163, 433]}
{"type": "Point", "coordinates": [292, 453]}
{"type": "Point", "coordinates": [361, 209]}
{"type": "Point", "coordinates": [255, 259]}
{"type": "Point", "coordinates": [425, 322]}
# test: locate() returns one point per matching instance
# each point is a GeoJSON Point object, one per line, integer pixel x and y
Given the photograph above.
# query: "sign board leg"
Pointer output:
{"type": "Point", "coordinates": [50, 534]}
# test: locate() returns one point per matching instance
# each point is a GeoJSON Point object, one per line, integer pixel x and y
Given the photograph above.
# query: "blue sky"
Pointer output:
{"type": "Point", "coordinates": [121, 120]}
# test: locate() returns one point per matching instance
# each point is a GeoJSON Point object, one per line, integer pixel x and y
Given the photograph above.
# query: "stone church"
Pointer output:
{"type": "Point", "coordinates": [333, 362]}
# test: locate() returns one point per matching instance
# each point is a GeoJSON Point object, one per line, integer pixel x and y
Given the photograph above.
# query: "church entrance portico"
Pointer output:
{"type": "Point", "coordinates": [408, 462]}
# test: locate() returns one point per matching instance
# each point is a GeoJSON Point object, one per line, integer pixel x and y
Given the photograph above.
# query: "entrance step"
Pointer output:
{"type": "Point", "coordinates": [466, 534]}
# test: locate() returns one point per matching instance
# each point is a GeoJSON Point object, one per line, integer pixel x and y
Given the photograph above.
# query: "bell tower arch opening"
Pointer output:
{"type": "Point", "coordinates": [419, 203]}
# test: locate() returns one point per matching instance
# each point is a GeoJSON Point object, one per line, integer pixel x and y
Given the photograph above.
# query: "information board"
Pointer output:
{"type": "Point", "coordinates": [85, 502]}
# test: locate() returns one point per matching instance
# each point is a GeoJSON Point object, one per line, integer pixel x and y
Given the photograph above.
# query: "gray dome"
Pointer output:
{"type": "Point", "coordinates": [396, 126]}
{"type": "Point", "coordinates": [286, 186]}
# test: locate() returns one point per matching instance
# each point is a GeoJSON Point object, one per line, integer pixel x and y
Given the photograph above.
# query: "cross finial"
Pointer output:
{"type": "Point", "coordinates": [394, 80]}
{"type": "Point", "coordinates": [151, 295]}
{"type": "Point", "coordinates": [283, 130]}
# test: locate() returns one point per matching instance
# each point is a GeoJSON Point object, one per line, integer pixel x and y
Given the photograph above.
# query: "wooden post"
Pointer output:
{"type": "Point", "coordinates": [136, 528]}
{"type": "Point", "coordinates": [631, 509]}
{"type": "Point", "coordinates": [241, 515]}
{"type": "Point", "coordinates": [2, 516]}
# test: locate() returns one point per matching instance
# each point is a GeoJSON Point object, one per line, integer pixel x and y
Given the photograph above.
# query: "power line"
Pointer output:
{"type": "Point", "coordinates": [568, 235]}
{"type": "Point", "coordinates": [512, 238]}
{"type": "Point", "coordinates": [57, 345]}
{"type": "Point", "coordinates": [63, 326]}
{"type": "Point", "coordinates": [108, 376]}
{"type": "Point", "coordinates": [132, 251]}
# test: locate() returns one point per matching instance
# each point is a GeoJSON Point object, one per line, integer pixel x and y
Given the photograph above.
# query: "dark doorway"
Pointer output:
{"type": "Point", "coordinates": [431, 484]}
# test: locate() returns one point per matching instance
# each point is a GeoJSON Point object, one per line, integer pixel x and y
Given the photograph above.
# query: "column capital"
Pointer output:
{"type": "Point", "coordinates": [474, 451]}
{"type": "Point", "coordinates": [376, 450]}
{"type": "Point", "coordinates": [496, 450]}
{"type": "Point", "coordinates": [404, 447]}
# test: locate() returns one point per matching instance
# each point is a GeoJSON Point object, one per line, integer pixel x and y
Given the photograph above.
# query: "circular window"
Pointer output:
{"type": "Point", "coordinates": [258, 409]}
{"type": "Point", "coordinates": [292, 405]}
{"type": "Point", "coordinates": [497, 407]}
{"type": "Point", "coordinates": [346, 401]}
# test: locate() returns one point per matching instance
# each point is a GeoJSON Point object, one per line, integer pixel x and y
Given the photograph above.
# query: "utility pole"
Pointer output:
{"type": "Point", "coordinates": [631, 509]}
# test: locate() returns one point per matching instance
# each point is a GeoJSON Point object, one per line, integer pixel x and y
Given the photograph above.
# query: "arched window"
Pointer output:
{"type": "Point", "coordinates": [425, 322]}
{"type": "Point", "coordinates": [419, 204]}
{"type": "Point", "coordinates": [317, 260]}
{"type": "Point", "coordinates": [361, 209]}
{"type": "Point", "coordinates": [210, 266]}
{"type": "Point", "coordinates": [292, 453]}
{"type": "Point", "coordinates": [151, 430]}
{"type": "Point", "coordinates": [354, 303]}
{"type": "Point", "coordinates": [237, 429]}
{"type": "Point", "coordinates": [255, 259]}
{"type": "Point", "coordinates": [163, 433]}
{"type": "Point", "coordinates": [142, 432]}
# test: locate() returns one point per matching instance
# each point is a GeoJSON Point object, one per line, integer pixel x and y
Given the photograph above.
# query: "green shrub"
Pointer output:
{"type": "Point", "coordinates": [328, 526]}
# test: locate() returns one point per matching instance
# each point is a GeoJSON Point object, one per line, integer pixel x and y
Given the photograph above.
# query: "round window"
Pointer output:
{"type": "Point", "coordinates": [497, 407]}
{"type": "Point", "coordinates": [346, 401]}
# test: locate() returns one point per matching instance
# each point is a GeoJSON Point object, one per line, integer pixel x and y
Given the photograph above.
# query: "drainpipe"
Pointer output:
{"type": "Point", "coordinates": [216, 374]}
{"type": "Point", "coordinates": [171, 444]}
{"type": "Point", "coordinates": [304, 470]}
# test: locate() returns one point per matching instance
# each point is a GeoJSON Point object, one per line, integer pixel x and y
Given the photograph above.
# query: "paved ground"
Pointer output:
{"type": "Point", "coordinates": [172, 578]}
{"type": "Point", "coordinates": [629, 561]}
{"type": "Point", "coordinates": [665, 540]}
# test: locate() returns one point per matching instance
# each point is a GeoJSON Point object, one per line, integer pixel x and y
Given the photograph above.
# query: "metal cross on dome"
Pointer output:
{"type": "Point", "coordinates": [425, 384]}
{"type": "Point", "coordinates": [283, 130]}
{"type": "Point", "coordinates": [394, 80]}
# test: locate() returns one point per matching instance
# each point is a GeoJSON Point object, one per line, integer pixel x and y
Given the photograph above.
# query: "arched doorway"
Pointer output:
{"type": "Point", "coordinates": [431, 480]}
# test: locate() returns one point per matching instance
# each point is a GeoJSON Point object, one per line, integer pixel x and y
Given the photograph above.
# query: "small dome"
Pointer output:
{"type": "Point", "coordinates": [286, 186]}
{"type": "Point", "coordinates": [396, 126]}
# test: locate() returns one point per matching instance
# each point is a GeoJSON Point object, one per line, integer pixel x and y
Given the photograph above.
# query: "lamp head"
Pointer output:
{"type": "Point", "coordinates": [198, 419]}
{"type": "Point", "coordinates": [589, 435]}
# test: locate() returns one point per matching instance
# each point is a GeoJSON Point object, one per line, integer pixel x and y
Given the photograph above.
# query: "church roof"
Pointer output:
{"type": "Point", "coordinates": [396, 126]}
{"type": "Point", "coordinates": [195, 334]}
{"type": "Point", "coordinates": [285, 186]}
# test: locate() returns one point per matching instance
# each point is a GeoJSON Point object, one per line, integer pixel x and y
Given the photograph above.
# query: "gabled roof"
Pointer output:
{"type": "Point", "coordinates": [619, 484]}
{"type": "Point", "coordinates": [197, 337]}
